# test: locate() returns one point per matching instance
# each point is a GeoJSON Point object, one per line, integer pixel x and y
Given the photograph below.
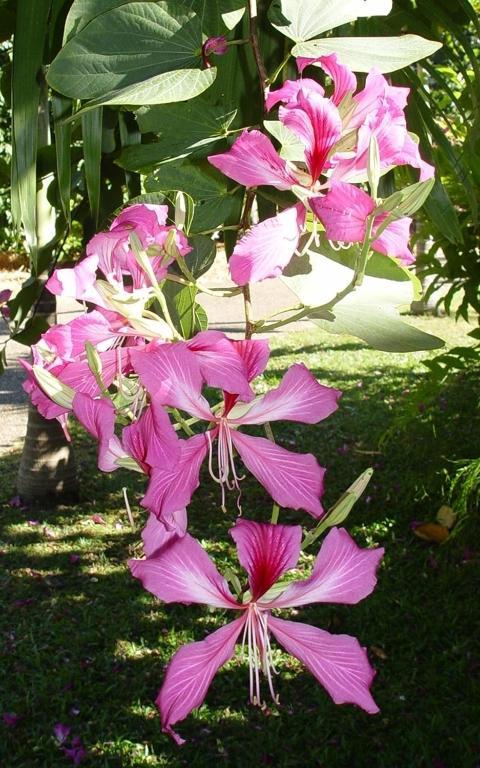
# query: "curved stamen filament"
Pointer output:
{"type": "Point", "coordinates": [227, 473]}
{"type": "Point", "coordinates": [259, 654]}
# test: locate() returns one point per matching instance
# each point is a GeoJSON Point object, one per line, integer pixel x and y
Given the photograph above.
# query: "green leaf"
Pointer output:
{"type": "Point", "coordinates": [21, 305]}
{"type": "Point", "coordinates": [369, 312]}
{"type": "Point", "coordinates": [92, 153]}
{"type": "Point", "coordinates": [380, 327]}
{"type": "Point", "coordinates": [83, 11]}
{"type": "Point", "coordinates": [179, 85]}
{"type": "Point", "coordinates": [387, 54]}
{"type": "Point", "coordinates": [291, 146]}
{"type": "Point", "coordinates": [216, 202]}
{"type": "Point", "coordinates": [187, 315]}
{"type": "Point", "coordinates": [31, 332]}
{"type": "Point", "coordinates": [202, 255]}
{"type": "Point", "coordinates": [183, 128]}
{"type": "Point", "coordinates": [62, 108]}
{"type": "Point", "coordinates": [186, 126]}
{"type": "Point", "coordinates": [440, 210]}
{"type": "Point", "coordinates": [304, 19]}
{"type": "Point", "coordinates": [215, 15]}
{"type": "Point", "coordinates": [126, 46]}
{"type": "Point", "coordinates": [27, 60]}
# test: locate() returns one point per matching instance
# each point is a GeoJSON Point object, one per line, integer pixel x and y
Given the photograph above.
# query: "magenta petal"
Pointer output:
{"type": "Point", "coordinates": [149, 217]}
{"type": "Point", "coordinates": [255, 354]}
{"type": "Point", "coordinates": [152, 440]}
{"type": "Point", "coordinates": [171, 487]}
{"type": "Point", "coordinates": [343, 212]}
{"type": "Point", "coordinates": [220, 363]}
{"type": "Point", "coordinates": [300, 397]}
{"type": "Point", "coordinates": [182, 572]}
{"type": "Point", "coordinates": [61, 732]}
{"type": "Point", "coordinates": [190, 673]}
{"type": "Point", "coordinates": [171, 374]}
{"type": "Point", "coordinates": [252, 161]}
{"type": "Point", "coordinates": [98, 418]}
{"type": "Point", "coordinates": [266, 551]}
{"type": "Point", "coordinates": [292, 479]}
{"type": "Point", "coordinates": [343, 573]}
{"type": "Point", "coordinates": [338, 662]}
{"type": "Point", "coordinates": [317, 123]}
{"type": "Point", "coordinates": [78, 282]}
{"type": "Point", "coordinates": [394, 239]}
{"type": "Point", "coordinates": [268, 247]}
{"type": "Point", "coordinates": [344, 80]}
{"type": "Point", "coordinates": [156, 535]}
{"type": "Point", "coordinates": [288, 93]}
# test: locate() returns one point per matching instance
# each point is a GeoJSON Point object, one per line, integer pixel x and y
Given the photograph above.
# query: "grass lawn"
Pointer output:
{"type": "Point", "coordinates": [82, 643]}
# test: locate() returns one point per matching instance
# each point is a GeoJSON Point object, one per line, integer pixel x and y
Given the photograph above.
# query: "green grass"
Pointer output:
{"type": "Point", "coordinates": [89, 638]}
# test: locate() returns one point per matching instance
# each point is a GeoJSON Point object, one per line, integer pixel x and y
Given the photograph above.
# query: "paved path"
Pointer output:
{"type": "Point", "coordinates": [224, 314]}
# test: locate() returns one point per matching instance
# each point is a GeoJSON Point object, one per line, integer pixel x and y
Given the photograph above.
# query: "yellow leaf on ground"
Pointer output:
{"type": "Point", "coordinates": [432, 532]}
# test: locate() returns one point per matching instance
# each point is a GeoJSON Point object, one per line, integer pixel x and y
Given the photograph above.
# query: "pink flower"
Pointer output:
{"type": "Point", "coordinates": [11, 719]}
{"type": "Point", "coordinates": [110, 253]}
{"type": "Point", "coordinates": [344, 211]}
{"type": "Point", "coordinates": [61, 732]}
{"type": "Point", "coordinates": [293, 480]}
{"type": "Point", "coordinates": [336, 134]}
{"type": "Point", "coordinates": [343, 573]}
{"type": "Point", "coordinates": [217, 45]}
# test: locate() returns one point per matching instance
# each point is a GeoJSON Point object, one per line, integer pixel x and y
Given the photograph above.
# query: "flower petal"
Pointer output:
{"type": "Point", "coordinates": [317, 123]}
{"type": "Point", "coordinates": [171, 487]}
{"type": "Point", "coordinates": [152, 439]}
{"type": "Point", "coordinates": [190, 673]}
{"type": "Point", "coordinates": [266, 551]}
{"type": "Point", "coordinates": [98, 418]}
{"type": "Point", "coordinates": [255, 354]}
{"type": "Point", "coordinates": [394, 239]}
{"type": "Point", "coordinates": [338, 662]}
{"type": "Point", "coordinates": [300, 397]}
{"type": "Point", "coordinates": [288, 93]}
{"type": "Point", "coordinates": [344, 80]}
{"type": "Point", "coordinates": [182, 572]}
{"type": "Point", "coordinates": [172, 375]}
{"type": "Point", "coordinates": [343, 573]}
{"type": "Point", "coordinates": [77, 282]}
{"type": "Point", "coordinates": [267, 248]}
{"type": "Point", "coordinates": [220, 363]}
{"type": "Point", "coordinates": [252, 161]}
{"type": "Point", "coordinates": [156, 535]}
{"type": "Point", "coordinates": [343, 212]}
{"type": "Point", "coordinates": [292, 479]}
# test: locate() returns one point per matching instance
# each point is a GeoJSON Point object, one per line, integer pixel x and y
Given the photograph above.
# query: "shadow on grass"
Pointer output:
{"type": "Point", "coordinates": [82, 643]}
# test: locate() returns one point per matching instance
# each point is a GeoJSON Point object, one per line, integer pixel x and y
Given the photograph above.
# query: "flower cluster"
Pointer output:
{"type": "Point", "coordinates": [162, 405]}
{"type": "Point", "coordinates": [331, 137]}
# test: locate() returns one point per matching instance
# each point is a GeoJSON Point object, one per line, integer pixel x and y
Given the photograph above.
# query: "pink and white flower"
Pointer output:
{"type": "Point", "coordinates": [172, 377]}
{"type": "Point", "coordinates": [182, 572]}
{"type": "Point", "coordinates": [336, 133]}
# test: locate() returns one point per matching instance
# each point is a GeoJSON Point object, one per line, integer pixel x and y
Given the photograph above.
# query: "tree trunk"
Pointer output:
{"type": "Point", "coordinates": [47, 467]}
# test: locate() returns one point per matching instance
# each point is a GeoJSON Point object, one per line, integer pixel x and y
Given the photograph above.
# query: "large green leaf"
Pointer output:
{"type": "Point", "coordinates": [126, 46]}
{"type": "Point", "coordinates": [440, 210]}
{"type": "Point", "coordinates": [216, 201]}
{"type": "Point", "coordinates": [183, 128]}
{"type": "Point", "coordinates": [304, 19]}
{"type": "Point", "coordinates": [217, 15]}
{"type": "Point", "coordinates": [62, 108]}
{"type": "Point", "coordinates": [369, 312]}
{"type": "Point", "coordinates": [178, 85]}
{"type": "Point", "coordinates": [187, 315]}
{"type": "Point", "coordinates": [387, 54]}
{"type": "Point", "coordinates": [92, 155]}
{"type": "Point", "coordinates": [83, 11]}
{"type": "Point", "coordinates": [202, 255]}
{"type": "Point", "coordinates": [27, 60]}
